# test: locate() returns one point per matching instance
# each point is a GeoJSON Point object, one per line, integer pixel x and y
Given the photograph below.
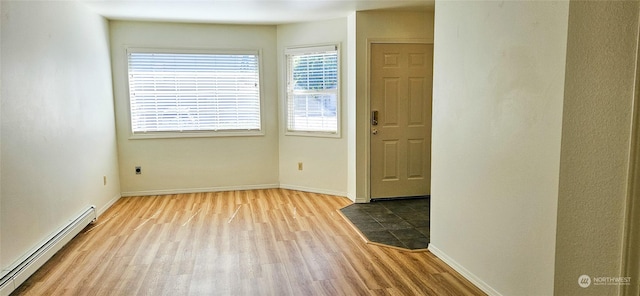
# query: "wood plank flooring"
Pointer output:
{"type": "Point", "coordinates": [257, 242]}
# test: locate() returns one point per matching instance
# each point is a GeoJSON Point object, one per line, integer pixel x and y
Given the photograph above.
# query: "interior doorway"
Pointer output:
{"type": "Point", "coordinates": [401, 82]}
{"type": "Point", "coordinates": [631, 255]}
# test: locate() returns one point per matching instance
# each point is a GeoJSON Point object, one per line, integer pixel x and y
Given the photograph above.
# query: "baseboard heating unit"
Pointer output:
{"type": "Point", "coordinates": [16, 274]}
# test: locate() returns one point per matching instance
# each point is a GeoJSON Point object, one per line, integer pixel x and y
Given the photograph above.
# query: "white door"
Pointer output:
{"type": "Point", "coordinates": [400, 90]}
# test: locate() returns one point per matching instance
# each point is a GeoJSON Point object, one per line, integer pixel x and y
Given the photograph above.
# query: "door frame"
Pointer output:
{"type": "Point", "coordinates": [367, 136]}
{"type": "Point", "coordinates": [631, 236]}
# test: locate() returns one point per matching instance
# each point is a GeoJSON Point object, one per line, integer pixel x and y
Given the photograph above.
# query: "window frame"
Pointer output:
{"type": "Point", "coordinates": [309, 49]}
{"type": "Point", "coordinates": [191, 133]}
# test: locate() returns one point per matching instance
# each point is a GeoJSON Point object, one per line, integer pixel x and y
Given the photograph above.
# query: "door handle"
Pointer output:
{"type": "Point", "coordinates": [374, 117]}
{"type": "Point", "coordinates": [374, 131]}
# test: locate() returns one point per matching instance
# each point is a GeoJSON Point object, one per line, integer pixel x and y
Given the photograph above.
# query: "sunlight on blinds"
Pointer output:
{"type": "Point", "coordinates": [312, 90]}
{"type": "Point", "coordinates": [178, 92]}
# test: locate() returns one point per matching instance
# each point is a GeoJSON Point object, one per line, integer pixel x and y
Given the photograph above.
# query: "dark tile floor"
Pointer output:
{"type": "Point", "coordinates": [399, 223]}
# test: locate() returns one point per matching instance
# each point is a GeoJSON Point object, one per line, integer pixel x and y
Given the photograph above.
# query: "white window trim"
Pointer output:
{"type": "Point", "coordinates": [194, 134]}
{"type": "Point", "coordinates": [308, 49]}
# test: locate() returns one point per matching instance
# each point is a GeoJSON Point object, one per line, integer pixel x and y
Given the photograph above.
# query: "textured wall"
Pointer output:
{"type": "Point", "coordinates": [599, 87]}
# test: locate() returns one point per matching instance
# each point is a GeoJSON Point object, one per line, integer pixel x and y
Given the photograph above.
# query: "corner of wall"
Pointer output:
{"type": "Point", "coordinates": [476, 280]}
{"type": "Point", "coordinates": [596, 140]}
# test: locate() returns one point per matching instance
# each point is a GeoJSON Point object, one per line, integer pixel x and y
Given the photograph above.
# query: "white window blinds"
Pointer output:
{"type": "Point", "coordinates": [191, 92]}
{"type": "Point", "coordinates": [312, 89]}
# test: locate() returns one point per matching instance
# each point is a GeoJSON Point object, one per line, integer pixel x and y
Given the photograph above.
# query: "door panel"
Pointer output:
{"type": "Point", "coordinates": [401, 82]}
{"type": "Point", "coordinates": [390, 157]}
{"type": "Point", "coordinates": [390, 107]}
{"type": "Point", "coordinates": [415, 159]}
{"type": "Point", "coordinates": [417, 112]}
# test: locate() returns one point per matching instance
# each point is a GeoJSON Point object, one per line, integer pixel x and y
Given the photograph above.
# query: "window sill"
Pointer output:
{"type": "Point", "coordinates": [313, 134]}
{"type": "Point", "coordinates": [207, 134]}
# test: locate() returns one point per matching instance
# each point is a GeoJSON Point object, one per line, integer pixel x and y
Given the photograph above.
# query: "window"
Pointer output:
{"type": "Point", "coordinates": [312, 90]}
{"type": "Point", "coordinates": [174, 92]}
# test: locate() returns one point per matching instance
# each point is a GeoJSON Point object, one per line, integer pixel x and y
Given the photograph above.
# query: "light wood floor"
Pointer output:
{"type": "Point", "coordinates": [259, 242]}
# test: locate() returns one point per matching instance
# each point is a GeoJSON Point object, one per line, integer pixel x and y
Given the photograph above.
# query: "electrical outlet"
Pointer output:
{"type": "Point", "coordinates": [138, 170]}
{"type": "Point", "coordinates": [299, 166]}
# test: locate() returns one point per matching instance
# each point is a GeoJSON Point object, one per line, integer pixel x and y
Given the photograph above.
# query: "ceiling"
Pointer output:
{"type": "Point", "coordinates": [243, 11]}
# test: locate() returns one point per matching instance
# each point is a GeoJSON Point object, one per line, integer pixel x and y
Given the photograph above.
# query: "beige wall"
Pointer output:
{"type": "Point", "coordinates": [324, 159]}
{"type": "Point", "coordinates": [376, 26]}
{"type": "Point", "coordinates": [58, 136]}
{"type": "Point", "coordinates": [350, 129]}
{"type": "Point", "coordinates": [2, 264]}
{"type": "Point", "coordinates": [599, 88]}
{"type": "Point", "coordinates": [503, 82]}
{"type": "Point", "coordinates": [196, 164]}
{"type": "Point", "coordinates": [497, 121]}
{"type": "Point", "coordinates": [632, 224]}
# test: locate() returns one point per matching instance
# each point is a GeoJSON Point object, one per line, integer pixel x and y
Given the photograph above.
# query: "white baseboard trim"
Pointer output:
{"type": "Point", "coordinates": [7, 287]}
{"type": "Point", "coordinates": [29, 263]}
{"type": "Point", "coordinates": [362, 200]}
{"type": "Point", "coordinates": [313, 190]}
{"type": "Point", "coordinates": [198, 190]}
{"type": "Point", "coordinates": [351, 196]}
{"type": "Point", "coordinates": [110, 203]}
{"type": "Point", "coordinates": [463, 271]}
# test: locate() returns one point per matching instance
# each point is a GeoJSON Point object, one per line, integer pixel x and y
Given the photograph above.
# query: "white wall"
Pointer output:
{"type": "Point", "coordinates": [58, 134]}
{"type": "Point", "coordinates": [377, 26]}
{"type": "Point", "coordinates": [324, 159]}
{"type": "Point", "coordinates": [1, 25]}
{"type": "Point", "coordinates": [350, 130]}
{"type": "Point", "coordinates": [196, 164]}
{"type": "Point", "coordinates": [497, 119]}
{"type": "Point", "coordinates": [599, 90]}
